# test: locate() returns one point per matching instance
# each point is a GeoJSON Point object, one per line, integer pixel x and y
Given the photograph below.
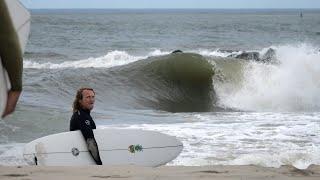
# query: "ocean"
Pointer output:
{"type": "Point", "coordinates": [246, 90]}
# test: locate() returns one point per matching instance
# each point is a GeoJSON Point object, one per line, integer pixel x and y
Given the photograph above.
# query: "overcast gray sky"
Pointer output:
{"type": "Point", "coordinates": [215, 4]}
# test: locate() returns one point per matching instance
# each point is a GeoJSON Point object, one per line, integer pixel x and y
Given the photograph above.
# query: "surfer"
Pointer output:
{"type": "Point", "coordinates": [11, 58]}
{"type": "Point", "coordinates": [82, 120]}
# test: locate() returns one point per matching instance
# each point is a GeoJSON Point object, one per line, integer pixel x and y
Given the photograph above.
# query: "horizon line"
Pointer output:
{"type": "Point", "coordinates": [173, 8]}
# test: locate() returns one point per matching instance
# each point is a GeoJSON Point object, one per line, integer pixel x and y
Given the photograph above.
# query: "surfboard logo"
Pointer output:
{"type": "Point", "coordinates": [87, 122]}
{"type": "Point", "coordinates": [135, 148]}
{"type": "Point", "coordinates": [75, 151]}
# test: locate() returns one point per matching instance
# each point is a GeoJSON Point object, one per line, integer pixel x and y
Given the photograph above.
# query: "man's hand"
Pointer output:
{"type": "Point", "coordinates": [12, 100]}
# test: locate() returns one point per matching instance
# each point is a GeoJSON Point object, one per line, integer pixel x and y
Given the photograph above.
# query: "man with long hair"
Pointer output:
{"type": "Point", "coordinates": [82, 120]}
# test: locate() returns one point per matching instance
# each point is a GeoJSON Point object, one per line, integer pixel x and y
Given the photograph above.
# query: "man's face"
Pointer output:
{"type": "Point", "coordinates": [87, 101]}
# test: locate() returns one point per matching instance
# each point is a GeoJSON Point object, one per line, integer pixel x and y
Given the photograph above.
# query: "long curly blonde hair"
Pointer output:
{"type": "Point", "coordinates": [76, 103]}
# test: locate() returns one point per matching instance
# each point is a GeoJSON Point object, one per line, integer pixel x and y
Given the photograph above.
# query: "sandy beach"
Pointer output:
{"type": "Point", "coordinates": [165, 172]}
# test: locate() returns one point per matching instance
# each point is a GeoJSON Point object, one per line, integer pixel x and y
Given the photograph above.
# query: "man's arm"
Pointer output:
{"type": "Point", "coordinates": [11, 57]}
{"type": "Point", "coordinates": [12, 100]}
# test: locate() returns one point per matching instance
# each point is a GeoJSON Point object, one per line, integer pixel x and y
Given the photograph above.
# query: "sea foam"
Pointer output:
{"type": "Point", "coordinates": [291, 85]}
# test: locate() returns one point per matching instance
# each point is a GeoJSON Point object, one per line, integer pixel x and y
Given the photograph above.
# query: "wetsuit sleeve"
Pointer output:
{"type": "Point", "coordinates": [94, 151]}
{"type": "Point", "coordinates": [90, 140]}
{"type": "Point", "coordinates": [10, 51]}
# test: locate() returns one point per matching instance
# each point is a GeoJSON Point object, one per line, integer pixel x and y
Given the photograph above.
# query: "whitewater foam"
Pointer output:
{"type": "Point", "coordinates": [293, 85]}
{"type": "Point", "coordinates": [218, 53]}
{"type": "Point", "coordinates": [111, 59]}
{"type": "Point", "coordinates": [236, 138]}
{"type": "Point", "coordinates": [11, 154]}
{"type": "Point", "coordinates": [114, 58]}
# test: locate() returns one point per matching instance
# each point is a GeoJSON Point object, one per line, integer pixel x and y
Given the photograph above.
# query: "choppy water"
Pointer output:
{"type": "Point", "coordinates": [225, 110]}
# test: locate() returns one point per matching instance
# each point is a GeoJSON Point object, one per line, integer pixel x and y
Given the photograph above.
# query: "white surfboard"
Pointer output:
{"type": "Point", "coordinates": [116, 147]}
{"type": "Point", "coordinates": [20, 18]}
{"type": "Point", "coordinates": [3, 89]}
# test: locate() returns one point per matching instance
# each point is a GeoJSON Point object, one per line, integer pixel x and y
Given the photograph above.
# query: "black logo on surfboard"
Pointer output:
{"type": "Point", "coordinates": [75, 151]}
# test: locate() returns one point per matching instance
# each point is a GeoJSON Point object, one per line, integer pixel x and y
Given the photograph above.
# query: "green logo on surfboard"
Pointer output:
{"type": "Point", "coordinates": [135, 148]}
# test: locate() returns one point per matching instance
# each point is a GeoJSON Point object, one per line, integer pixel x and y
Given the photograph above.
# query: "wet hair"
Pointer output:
{"type": "Point", "coordinates": [76, 104]}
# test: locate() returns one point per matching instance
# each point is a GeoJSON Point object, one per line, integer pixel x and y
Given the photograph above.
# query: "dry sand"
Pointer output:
{"type": "Point", "coordinates": [165, 172]}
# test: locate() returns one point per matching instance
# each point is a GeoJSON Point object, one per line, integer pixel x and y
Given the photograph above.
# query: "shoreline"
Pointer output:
{"type": "Point", "coordinates": [218, 172]}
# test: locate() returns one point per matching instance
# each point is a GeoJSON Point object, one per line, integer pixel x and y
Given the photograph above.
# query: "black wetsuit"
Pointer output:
{"type": "Point", "coordinates": [10, 51]}
{"type": "Point", "coordinates": [82, 120]}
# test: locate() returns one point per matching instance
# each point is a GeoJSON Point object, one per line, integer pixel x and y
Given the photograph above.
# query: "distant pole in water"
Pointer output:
{"type": "Point", "coordinates": [301, 15]}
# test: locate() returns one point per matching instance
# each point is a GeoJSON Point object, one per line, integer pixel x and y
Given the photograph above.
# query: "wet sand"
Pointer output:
{"type": "Point", "coordinates": [164, 172]}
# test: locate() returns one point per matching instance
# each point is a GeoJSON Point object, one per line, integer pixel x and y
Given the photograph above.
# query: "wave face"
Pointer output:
{"type": "Point", "coordinates": [180, 82]}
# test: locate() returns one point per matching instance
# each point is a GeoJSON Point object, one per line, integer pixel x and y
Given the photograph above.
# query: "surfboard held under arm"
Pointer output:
{"type": "Point", "coordinates": [116, 147]}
